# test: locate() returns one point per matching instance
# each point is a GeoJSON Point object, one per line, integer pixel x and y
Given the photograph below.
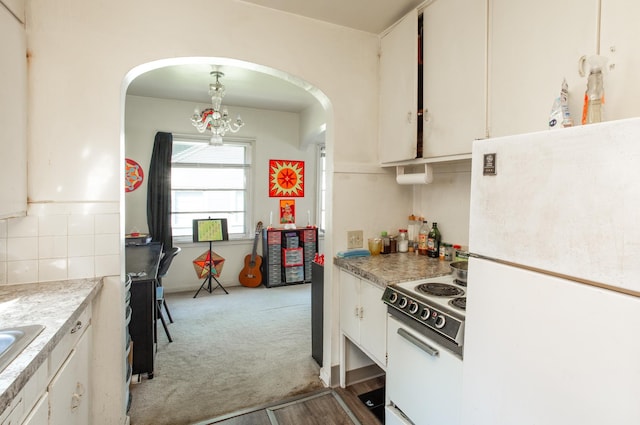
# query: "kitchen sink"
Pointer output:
{"type": "Point", "coordinates": [14, 340]}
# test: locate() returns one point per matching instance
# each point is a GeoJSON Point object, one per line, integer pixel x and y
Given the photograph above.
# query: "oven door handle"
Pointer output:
{"type": "Point", "coordinates": [415, 341]}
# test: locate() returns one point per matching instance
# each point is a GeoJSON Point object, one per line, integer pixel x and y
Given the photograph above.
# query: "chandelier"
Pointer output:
{"type": "Point", "coordinates": [216, 119]}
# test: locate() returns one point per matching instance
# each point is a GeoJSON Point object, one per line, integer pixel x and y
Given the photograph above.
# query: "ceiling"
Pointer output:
{"type": "Point", "coordinates": [255, 89]}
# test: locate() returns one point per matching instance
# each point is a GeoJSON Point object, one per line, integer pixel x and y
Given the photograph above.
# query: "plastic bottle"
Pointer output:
{"type": "Point", "coordinates": [422, 238]}
{"type": "Point", "coordinates": [560, 116]}
{"type": "Point", "coordinates": [594, 95]}
{"type": "Point", "coordinates": [433, 241]}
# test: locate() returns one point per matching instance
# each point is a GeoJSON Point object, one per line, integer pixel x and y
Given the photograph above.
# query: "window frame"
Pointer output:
{"type": "Point", "coordinates": [249, 167]}
{"type": "Point", "coordinates": [321, 187]}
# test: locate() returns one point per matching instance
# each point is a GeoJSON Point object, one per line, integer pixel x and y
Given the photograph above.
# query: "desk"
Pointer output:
{"type": "Point", "coordinates": [142, 263]}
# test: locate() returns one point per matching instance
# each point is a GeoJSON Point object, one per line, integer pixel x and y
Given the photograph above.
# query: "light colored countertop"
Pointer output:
{"type": "Point", "coordinates": [387, 269]}
{"type": "Point", "coordinates": [56, 305]}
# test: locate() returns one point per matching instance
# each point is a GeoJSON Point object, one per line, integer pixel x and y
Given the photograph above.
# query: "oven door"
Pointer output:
{"type": "Point", "coordinates": [424, 379]}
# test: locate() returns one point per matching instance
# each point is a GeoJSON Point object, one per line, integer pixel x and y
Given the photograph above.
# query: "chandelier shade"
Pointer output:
{"type": "Point", "coordinates": [216, 119]}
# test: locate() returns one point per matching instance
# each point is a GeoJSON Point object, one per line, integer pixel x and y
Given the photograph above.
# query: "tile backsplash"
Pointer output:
{"type": "Point", "coordinates": [58, 241]}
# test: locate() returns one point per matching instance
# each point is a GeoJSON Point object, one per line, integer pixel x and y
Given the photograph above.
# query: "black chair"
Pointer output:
{"type": "Point", "coordinates": [165, 263]}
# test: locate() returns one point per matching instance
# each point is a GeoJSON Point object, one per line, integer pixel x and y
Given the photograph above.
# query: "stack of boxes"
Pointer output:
{"type": "Point", "coordinates": [287, 255]}
{"type": "Point", "coordinates": [293, 256]}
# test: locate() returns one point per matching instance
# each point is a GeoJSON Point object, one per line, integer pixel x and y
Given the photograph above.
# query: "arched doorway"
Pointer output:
{"type": "Point", "coordinates": [182, 101]}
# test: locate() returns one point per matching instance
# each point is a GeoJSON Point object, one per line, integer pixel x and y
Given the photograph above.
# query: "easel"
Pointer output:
{"type": "Point", "coordinates": [210, 276]}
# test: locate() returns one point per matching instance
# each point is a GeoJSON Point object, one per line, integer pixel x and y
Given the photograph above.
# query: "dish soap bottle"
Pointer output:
{"type": "Point", "coordinates": [594, 96]}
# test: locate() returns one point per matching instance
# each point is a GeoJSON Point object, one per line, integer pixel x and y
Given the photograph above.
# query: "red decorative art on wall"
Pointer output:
{"type": "Point", "coordinates": [286, 178]}
{"type": "Point", "coordinates": [133, 175]}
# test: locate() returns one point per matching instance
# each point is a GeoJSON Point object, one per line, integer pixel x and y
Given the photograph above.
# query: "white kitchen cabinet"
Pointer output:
{"type": "Point", "coordinates": [20, 410]}
{"type": "Point", "coordinates": [40, 413]}
{"type": "Point", "coordinates": [533, 46]}
{"type": "Point", "coordinates": [363, 316]}
{"type": "Point", "coordinates": [69, 398]}
{"type": "Point", "coordinates": [398, 97]}
{"type": "Point", "coordinates": [13, 116]}
{"type": "Point", "coordinates": [17, 8]}
{"type": "Point", "coordinates": [619, 35]}
{"type": "Point", "coordinates": [455, 51]}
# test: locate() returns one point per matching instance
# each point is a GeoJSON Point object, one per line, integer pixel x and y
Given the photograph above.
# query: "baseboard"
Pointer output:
{"type": "Point", "coordinates": [326, 376]}
{"type": "Point", "coordinates": [335, 376]}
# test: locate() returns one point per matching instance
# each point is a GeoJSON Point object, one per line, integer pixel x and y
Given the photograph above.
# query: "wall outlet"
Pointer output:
{"type": "Point", "coordinates": [354, 239]}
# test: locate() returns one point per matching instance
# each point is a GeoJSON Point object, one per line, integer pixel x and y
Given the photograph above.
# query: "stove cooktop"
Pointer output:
{"type": "Point", "coordinates": [443, 291]}
{"type": "Point", "coordinates": [436, 305]}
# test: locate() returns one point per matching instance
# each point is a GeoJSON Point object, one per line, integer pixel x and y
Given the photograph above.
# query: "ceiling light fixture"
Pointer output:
{"type": "Point", "coordinates": [217, 118]}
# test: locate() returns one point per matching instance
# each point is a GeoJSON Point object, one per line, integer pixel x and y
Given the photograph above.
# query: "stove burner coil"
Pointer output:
{"type": "Point", "coordinates": [439, 289]}
{"type": "Point", "coordinates": [460, 302]}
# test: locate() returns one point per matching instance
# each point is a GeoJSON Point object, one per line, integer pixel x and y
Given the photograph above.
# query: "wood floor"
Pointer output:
{"type": "Point", "coordinates": [320, 410]}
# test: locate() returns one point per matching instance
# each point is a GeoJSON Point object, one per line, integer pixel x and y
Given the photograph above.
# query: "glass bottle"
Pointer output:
{"type": "Point", "coordinates": [422, 238]}
{"type": "Point", "coordinates": [386, 243]}
{"type": "Point", "coordinates": [433, 241]}
{"type": "Point", "coordinates": [403, 240]}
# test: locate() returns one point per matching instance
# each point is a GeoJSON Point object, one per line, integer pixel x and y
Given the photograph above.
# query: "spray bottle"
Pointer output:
{"type": "Point", "coordinates": [594, 96]}
{"type": "Point", "coordinates": [560, 116]}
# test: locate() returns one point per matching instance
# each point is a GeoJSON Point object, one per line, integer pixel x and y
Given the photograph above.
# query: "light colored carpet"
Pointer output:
{"type": "Point", "coordinates": [230, 352]}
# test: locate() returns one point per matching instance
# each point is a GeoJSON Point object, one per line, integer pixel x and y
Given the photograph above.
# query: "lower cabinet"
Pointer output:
{"type": "Point", "coordinates": [40, 413]}
{"type": "Point", "coordinates": [58, 393]}
{"type": "Point", "coordinates": [69, 398]}
{"type": "Point", "coordinates": [363, 317]}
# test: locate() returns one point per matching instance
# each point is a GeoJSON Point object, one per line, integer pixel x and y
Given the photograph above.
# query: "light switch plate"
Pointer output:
{"type": "Point", "coordinates": [354, 239]}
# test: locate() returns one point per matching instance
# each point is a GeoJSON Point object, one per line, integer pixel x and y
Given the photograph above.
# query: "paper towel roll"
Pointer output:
{"type": "Point", "coordinates": [417, 178]}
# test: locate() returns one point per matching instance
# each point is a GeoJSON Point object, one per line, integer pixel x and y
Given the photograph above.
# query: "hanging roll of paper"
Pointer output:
{"type": "Point", "coordinates": [414, 178]}
{"type": "Point", "coordinates": [419, 178]}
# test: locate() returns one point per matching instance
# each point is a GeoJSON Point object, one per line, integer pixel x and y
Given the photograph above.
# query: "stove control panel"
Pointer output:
{"type": "Point", "coordinates": [434, 318]}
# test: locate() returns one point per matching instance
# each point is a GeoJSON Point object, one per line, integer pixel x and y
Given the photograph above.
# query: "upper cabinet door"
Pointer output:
{"type": "Point", "coordinates": [619, 36]}
{"type": "Point", "coordinates": [532, 47]}
{"type": "Point", "coordinates": [398, 108]}
{"type": "Point", "coordinates": [455, 78]}
{"type": "Point", "coordinates": [16, 7]}
{"type": "Point", "coordinates": [13, 116]}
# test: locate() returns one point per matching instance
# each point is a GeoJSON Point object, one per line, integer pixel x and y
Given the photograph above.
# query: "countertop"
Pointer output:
{"type": "Point", "coordinates": [56, 305]}
{"type": "Point", "coordinates": [387, 269]}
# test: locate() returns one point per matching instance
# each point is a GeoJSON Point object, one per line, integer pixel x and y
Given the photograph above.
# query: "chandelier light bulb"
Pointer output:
{"type": "Point", "coordinates": [216, 119]}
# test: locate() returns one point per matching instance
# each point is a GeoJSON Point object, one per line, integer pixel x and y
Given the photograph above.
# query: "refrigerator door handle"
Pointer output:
{"type": "Point", "coordinates": [420, 344]}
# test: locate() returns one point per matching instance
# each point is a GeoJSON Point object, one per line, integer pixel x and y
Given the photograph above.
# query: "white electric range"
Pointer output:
{"type": "Point", "coordinates": [425, 339]}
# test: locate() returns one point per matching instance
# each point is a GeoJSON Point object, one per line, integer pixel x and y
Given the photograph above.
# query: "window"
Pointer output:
{"type": "Point", "coordinates": [210, 181]}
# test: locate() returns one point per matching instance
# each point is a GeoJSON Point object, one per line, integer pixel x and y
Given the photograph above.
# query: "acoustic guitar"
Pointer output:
{"type": "Point", "coordinates": [250, 275]}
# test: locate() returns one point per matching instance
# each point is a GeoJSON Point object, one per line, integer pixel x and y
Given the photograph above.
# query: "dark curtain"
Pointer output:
{"type": "Point", "coordinates": [159, 191]}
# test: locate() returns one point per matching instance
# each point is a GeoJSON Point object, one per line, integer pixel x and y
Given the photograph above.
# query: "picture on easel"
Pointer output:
{"type": "Point", "coordinates": [287, 211]}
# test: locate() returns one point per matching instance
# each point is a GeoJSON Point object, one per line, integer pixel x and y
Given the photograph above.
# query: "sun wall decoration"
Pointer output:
{"type": "Point", "coordinates": [133, 175]}
{"type": "Point", "coordinates": [286, 178]}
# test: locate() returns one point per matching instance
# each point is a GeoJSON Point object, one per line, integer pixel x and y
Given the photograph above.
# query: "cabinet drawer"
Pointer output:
{"type": "Point", "coordinates": [274, 273]}
{"type": "Point", "coordinates": [309, 235]}
{"type": "Point", "coordinates": [23, 402]}
{"type": "Point", "coordinates": [274, 238]}
{"type": "Point", "coordinates": [62, 350]}
{"type": "Point", "coordinates": [294, 274]}
{"type": "Point", "coordinates": [293, 257]}
{"type": "Point", "coordinates": [275, 254]}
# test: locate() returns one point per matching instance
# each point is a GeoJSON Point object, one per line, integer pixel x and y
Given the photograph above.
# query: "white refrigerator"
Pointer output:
{"type": "Point", "coordinates": [552, 331]}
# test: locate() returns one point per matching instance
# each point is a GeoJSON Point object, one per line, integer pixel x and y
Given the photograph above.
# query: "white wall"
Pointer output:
{"type": "Point", "coordinates": [82, 53]}
{"type": "Point", "coordinates": [446, 201]}
{"type": "Point", "coordinates": [276, 135]}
